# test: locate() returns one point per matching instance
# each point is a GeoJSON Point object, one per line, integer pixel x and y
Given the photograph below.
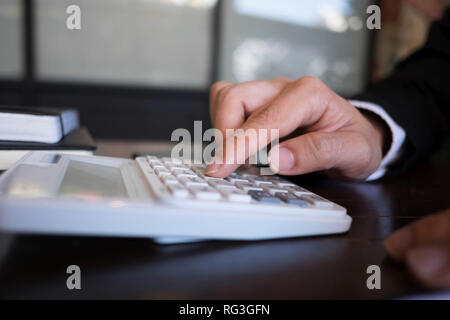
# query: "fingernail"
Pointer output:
{"type": "Point", "coordinates": [212, 168]}
{"type": "Point", "coordinates": [426, 262]}
{"type": "Point", "coordinates": [398, 243]}
{"type": "Point", "coordinates": [283, 161]}
{"type": "Point", "coordinates": [286, 159]}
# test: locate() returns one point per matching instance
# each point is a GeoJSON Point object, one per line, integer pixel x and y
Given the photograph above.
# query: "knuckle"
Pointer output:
{"type": "Point", "coordinates": [228, 97]}
{"type": "Point", "coordinates": [214, 93]}
{"type": "Point", "coordinates": [263, 118]}
{"type": "Point", "coordinates": [215, 88]}
{"type": "Point", "coordinates": [230, 92]}
{"type": "Point", "coordinates": [317, 91]}
{"type": "Point", "coordinates": [224, 95]}
{"type": "Point", "coordinates": [310, 82]}
{"type": "Point", "coordinates": [282, 80]}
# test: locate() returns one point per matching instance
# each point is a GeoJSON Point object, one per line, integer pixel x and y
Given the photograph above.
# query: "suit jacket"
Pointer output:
{"type": "Point", "coordinates": [417, 96]}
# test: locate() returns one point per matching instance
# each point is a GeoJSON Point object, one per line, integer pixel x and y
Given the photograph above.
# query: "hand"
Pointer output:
{"type": "Point", "coordinates": [337, 137]}
{"type": "Point", "coordinates": [425, 247]}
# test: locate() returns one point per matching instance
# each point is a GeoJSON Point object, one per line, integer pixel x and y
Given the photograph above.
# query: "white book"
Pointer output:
{"type": "Point", "coordinates": [34, 124]}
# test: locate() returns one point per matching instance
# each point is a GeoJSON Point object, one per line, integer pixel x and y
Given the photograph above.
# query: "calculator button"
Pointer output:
{"type": "Point", "coordinates": [193, 181]}
{"type": "Point", "coordinates": [260, 181]}
{"type": "Point", "coordinates": [183, 173]}
{"type": "Point", "coordinates": [169, 179]}
{"type": "Point", "coordinates": [167, 160]}
{"type": "Point", "coordinates": [221, 184]}
{"type": "Point", "coordinates": [174, 166]}
{"type": "Point", "coordinates": [285, 184]}
{"type": "Point", "coordinates": [249, 176]}
{"type": "Point", "coordinates": [274, 178]}
{"type": "Point", "coordinates": [235, 175]}
{"type": "Point", "coordinates": [212, 178]}
{"type": "Point", "coordinates": [279, 181]}
{"type": "Point", "coordinates": [152, 159]}
{"type": "Point", "coordinates": [205, 193]}
{"type": "Point", "coordinates": [317, 201]}
{"type": "Point", "coordinates": [273, 189]}
{"type": "Point", "coordinates": [237, 179]}
{"type": "Point", "coordinates": [247, 186]}
{"type": "Point", "coordinates": [236, 195]}
{"type": "Point", "coordinates": [291, 199]}
{"type": "Point", "coordinates": [178, 191]}
{"type": "Point", "coordinates": [161, 171]}
{"type": "Point", "coordinates": [156, 164]}
{"type": "Point", "coordinates": [263, 196]}
{"type": "Point", "coordinates": [297, 190]}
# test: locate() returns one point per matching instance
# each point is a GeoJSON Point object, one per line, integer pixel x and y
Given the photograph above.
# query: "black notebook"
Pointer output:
{"type": "Point", "coordinates": [47, 125]}
{"type": "Point", "coordinates": [77, 142]}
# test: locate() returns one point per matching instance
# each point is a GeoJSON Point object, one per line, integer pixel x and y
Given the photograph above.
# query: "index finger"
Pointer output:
{"type": "Point", "coordinates": [232, 103]}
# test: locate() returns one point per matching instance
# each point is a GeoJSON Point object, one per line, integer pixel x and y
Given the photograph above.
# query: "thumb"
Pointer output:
{"type": "Point", "coordinates": [346, 151]}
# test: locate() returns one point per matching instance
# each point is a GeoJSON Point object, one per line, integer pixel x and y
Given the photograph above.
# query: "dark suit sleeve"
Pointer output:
{"type": "Point", "coordinates": [417, 96]}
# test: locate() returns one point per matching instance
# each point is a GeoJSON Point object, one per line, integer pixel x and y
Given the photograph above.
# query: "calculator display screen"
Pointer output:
{"type": "Point", "coordinates": [92, 181]}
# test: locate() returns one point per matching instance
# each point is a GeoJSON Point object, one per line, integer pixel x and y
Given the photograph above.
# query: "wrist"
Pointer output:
{"type": "Point", "coordinates": [381, 129]}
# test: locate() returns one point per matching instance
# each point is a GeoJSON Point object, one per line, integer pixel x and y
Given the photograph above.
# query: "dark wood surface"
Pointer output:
{"type": "Point", "coordinates": [315, 267]}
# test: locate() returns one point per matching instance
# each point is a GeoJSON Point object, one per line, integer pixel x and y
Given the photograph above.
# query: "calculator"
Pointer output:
{"type": "Point", "coordinates": [167, 199]}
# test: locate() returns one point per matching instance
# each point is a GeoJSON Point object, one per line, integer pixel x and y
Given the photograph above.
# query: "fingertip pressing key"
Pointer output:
{"type": "Point", "coordinates": [212, 168]}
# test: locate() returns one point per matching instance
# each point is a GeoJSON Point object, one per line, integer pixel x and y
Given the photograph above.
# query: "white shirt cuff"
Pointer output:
{"type": "Point", "coordinates": [398, 137]}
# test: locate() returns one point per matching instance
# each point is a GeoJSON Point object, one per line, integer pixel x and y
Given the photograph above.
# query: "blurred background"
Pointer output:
{"type": "Point", "coordinates": [138, 69]}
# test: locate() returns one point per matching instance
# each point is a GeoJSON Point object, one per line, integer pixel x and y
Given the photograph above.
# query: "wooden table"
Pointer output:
{"type": "Point", "coordinates": [315, 267]}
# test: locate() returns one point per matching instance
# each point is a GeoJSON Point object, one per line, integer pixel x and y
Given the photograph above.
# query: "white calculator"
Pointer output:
{"type": "Point", "coordinates": [166, 199]}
